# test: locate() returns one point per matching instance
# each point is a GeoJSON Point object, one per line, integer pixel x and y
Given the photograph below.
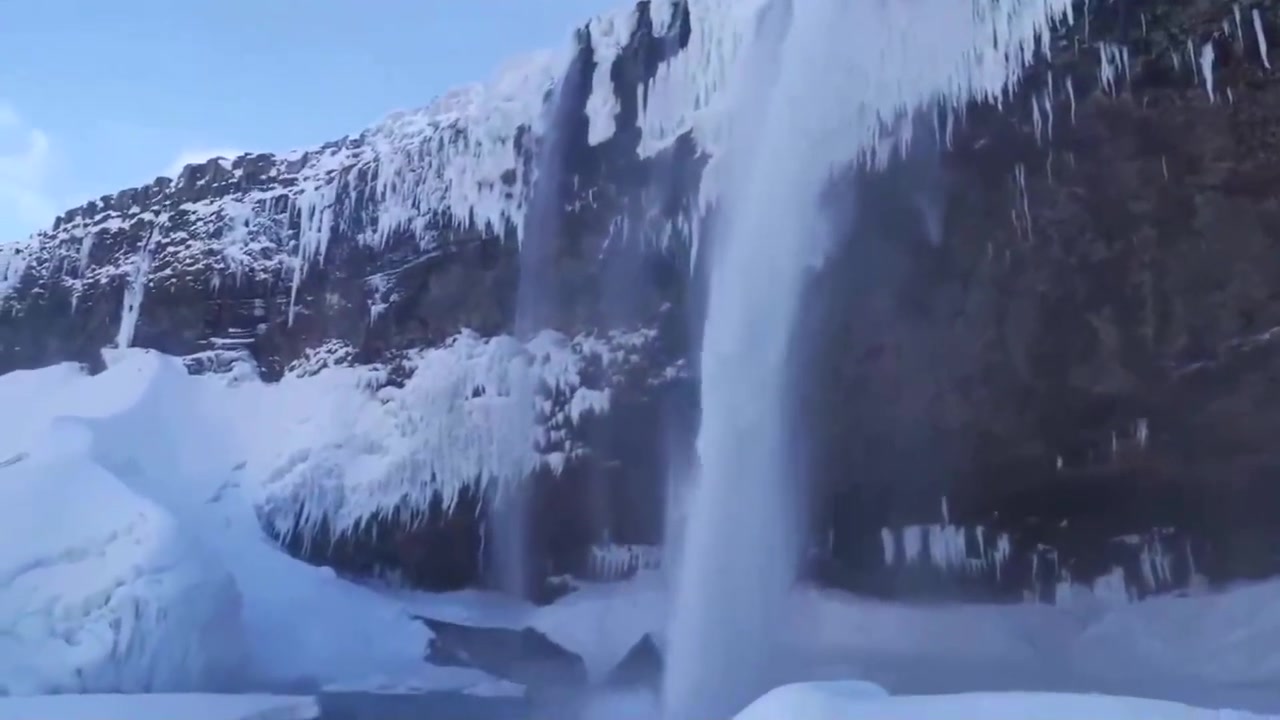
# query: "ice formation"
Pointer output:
{"type": "Point", "coordinates": [807, 101]}
{"type": "Point", "coordinates": [476, 410]}
{"type": "Point", "coordinates": [1260, 33]}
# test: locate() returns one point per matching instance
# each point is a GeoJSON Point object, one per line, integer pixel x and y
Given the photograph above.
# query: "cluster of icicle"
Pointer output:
{"type": "Point", "coordinates": [473, 413]}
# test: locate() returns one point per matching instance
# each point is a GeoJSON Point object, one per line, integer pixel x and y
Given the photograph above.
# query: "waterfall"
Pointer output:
{"type": "Point", "coordinates": [825, 84]}
{"type": "Point", "coordinates": [537, 303]}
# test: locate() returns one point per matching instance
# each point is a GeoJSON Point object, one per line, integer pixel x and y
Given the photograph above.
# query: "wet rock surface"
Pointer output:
{"type": "Point", "coordinates": [524, 656]}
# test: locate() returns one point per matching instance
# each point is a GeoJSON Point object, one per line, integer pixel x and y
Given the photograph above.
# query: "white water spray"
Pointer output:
{"type": "Point", "coordinates": [825, 83]}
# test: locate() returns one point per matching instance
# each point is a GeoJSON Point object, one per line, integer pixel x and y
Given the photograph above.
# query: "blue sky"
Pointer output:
{"type": "Point", "coordinates": [96, 96]}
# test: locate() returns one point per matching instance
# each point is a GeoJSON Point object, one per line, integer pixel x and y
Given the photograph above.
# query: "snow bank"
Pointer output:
{"type": "Point", "coordinates": [122, 460]}
{"type": "Point", "coordinates": [99, 589]}
{"type": "Point", "coordinates": [159, 707]}
{"type": "Point", "coordinates": [214, 455]}
{"type": "Point", "coordinates": [849, 701]}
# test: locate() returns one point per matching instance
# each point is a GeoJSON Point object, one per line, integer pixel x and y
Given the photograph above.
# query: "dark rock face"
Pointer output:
{"type": "Point", "coordinates": [641, 667]}
{"type": "Point", "coordinates": [526, 656]}
{"type": "Point", "coordinates": [1047, 349]}
{"type": "Point", "coordinates": [1085, 361]}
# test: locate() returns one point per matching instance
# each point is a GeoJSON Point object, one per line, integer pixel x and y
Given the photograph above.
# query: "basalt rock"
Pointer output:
{"type": "Point", "coordinates": [525, 656]}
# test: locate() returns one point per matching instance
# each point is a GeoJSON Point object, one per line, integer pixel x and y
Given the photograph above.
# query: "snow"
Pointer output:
{"type": "Point", "coordinates": [419, 172]}
{"type": "Point", "coordinates": [159, 707]}
{"type": "Point", "coordinates": [609, 35]}
{"type": "Point", "coordinates": [100, 588]}
{"type": "Point", "coordinates": [143, 449]}
{"type": "Point", "coordinates": [13, 263]}
{"type": "Point", "coordinates": [689, 89]}
{"type": "Point", "coordinates": [856, 701]}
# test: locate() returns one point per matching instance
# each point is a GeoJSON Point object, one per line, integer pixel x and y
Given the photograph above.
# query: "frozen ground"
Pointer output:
{"type": "Point", "coordinates": [1209, 650]}
{"type": "Point", "coordinates": [159, 707]}
{"type": "Point", "coordinates": [129, 529]}
{"type": "Point", "coordinates": [861, 701]}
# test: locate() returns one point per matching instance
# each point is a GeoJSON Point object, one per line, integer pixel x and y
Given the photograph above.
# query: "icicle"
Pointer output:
{"type": "Point", "coordinates": [1048, 109]}
{"type": "Point", "coordinates": [1020, 172]}
{"type": "Point", "coordinates": [1164, 166]}
{"type": "Point", "coordinates": [1262, 38]}
{"type": "Point", "coordinates": [1191, 57]}
{"type": "Point", "coordinates": [1235, 9]}
{"type": "Point", "coordinates": [1036, 123]}
{"type": "Point", "coordinates": [888, 545]}
{"type": "Point", "coordinates": [1206, 67]}
{"type": "Point", "coordinates": [1144, 24]}
{"type": "Point", "coordinates": [1071, 95]}
{"type": "Point", "coordinates": [1106, 68]}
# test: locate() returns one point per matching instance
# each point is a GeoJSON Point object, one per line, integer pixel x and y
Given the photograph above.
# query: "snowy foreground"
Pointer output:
{"type": "Point", "coordinates": [863, 701]}
{"type": "Point", "coordinates": [132, 560]}
{"type": "Point", "coordinates": [159, 707]}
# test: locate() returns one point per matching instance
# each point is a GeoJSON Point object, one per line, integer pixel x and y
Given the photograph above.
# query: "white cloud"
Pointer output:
{"type": "Point", "coordinates": [198, 155]}
{"type": "Point", "coordinates": [25, 200]}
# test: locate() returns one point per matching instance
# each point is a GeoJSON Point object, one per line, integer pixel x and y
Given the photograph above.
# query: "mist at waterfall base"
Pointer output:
{"type": "Point", "coordinates": [537, 304]}
{"type": "Point", "coordinates": [826, 85]}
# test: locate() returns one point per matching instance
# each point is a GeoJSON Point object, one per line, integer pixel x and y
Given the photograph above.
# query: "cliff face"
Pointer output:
{"type": "Point", "coordinates": [1043, 356]}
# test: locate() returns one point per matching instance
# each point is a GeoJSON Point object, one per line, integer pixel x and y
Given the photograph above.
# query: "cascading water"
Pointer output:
{"type": "Point", "coordinates": [537, 304]}
{"type": "Point", "coordinates": [825, 84]}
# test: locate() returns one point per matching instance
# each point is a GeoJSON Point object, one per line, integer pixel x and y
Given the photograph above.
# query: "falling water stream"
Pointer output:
{"type": "Point", "coordinates": [826, 84]}
{"type": "Point", "coordinates": [537, 304]}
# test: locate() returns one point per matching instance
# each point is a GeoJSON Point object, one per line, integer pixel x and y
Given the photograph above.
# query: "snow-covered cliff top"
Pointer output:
{"type": "Point", "coordinates": [457, 162]}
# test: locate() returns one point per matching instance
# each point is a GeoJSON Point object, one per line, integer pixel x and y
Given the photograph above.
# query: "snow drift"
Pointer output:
{"type": "Point", "coordinates": [134, 501]}
{"type": "Point", "coordinates": [99, 588]}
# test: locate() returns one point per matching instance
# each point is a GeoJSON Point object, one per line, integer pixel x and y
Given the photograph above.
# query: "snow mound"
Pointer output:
{"type": "Point", "coordinates": [160, 707]}
{"type": "Point", "coordinates": [856, 700]}
{"type": "Point", "coordinates": [99, 590]}
{"type": "Point", "coordinates": [103, 470]}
